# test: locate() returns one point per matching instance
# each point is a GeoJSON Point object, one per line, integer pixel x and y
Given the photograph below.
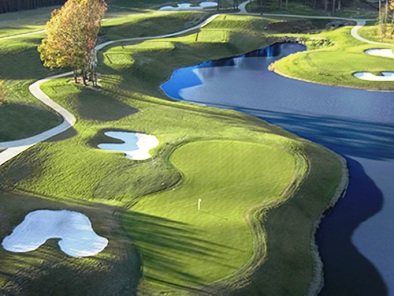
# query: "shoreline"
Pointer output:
{"type": "Point", "coordinates": [317, 282]}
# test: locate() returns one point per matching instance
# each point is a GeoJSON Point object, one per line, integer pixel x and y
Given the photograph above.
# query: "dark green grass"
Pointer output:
{"type": "Point", "coordinates": [22, 115]}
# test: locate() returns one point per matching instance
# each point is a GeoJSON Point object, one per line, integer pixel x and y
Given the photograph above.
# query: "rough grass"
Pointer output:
{"type": "Point", "coordinates": [70, 172]}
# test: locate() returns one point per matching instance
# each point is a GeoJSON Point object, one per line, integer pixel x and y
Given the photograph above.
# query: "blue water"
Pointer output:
{"type": "Point", "coordinates": [356, 238]}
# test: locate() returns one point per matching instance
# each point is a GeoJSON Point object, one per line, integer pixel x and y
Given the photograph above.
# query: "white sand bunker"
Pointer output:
{"type": "Point", "coordinates": [77, 238]}
{"type": "Point", "coordinates": [381, 52]}
{"type": "Point", "coordinates": [136, 146]}
{"type": "Point", "coordinates": [188, 6]}
{"type": "Point", "coordinates": [385, 76]}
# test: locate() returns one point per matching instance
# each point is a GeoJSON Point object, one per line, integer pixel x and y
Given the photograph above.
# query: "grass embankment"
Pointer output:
{"type": "Point", "coordinates": [371, 32]}
{"type": "Point", "coordinates": [263, 165]}
{"type": "Point", "coordinates": [335, 63]}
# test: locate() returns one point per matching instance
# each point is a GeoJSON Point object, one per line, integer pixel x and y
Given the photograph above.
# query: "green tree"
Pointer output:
{"type": "Point", "coordinates": [71, 37]}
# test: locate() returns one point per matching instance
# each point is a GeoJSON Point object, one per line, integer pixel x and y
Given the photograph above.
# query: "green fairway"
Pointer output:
{"type": "Point", "coordinates": [216, 241]}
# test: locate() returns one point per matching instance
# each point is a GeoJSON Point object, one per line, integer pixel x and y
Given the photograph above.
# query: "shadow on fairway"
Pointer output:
{"type": "Point", "coordinates": [19, 121]}
{"type": "Point", "coordinates": [97, 105]}
{"type": "Point", "coordinates": [164, 246]}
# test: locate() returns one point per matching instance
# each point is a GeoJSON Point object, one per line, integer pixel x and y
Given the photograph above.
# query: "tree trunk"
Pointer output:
{"type": "Point", "coordinates": [75, 72]}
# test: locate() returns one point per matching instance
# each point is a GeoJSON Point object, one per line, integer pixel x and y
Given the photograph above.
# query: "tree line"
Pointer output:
{"type": "Point", "coordinates": [16, 5]}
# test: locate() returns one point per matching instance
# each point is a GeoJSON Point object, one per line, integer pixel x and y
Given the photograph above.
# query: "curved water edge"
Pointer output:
{"type": "Point", "coordinates": [356, 123]}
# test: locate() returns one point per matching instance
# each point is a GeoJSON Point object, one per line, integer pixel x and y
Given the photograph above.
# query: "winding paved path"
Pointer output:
{"type": "Point", "coordinates": [13, 148]}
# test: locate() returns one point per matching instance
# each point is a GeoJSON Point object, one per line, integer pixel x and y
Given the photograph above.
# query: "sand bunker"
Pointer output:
{"type": "Point", "coordinates": [77, 238]}
{"type": "Point", "coordinates": [381, 52]}
{"type": "Point", "coordinates": [188, 6]}
{"type": "Point", "coordinates": [136, 146]}
{"type": "Point", "coordinates": [385, 76]}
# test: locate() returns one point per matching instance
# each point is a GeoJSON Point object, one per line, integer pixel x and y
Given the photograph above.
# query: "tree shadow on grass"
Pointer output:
{"type": "Point", "coordinates": [19, 121]}
{"type": "Point", "coordinates": [166, 245]}
{"type": "Point", "coordinates": [98, 105]}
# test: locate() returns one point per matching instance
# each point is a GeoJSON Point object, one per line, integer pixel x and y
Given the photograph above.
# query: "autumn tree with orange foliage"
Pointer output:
{"type": "Point", "coordinates": [71, 38]}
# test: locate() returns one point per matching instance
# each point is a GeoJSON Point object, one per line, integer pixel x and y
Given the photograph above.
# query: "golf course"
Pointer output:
{"type": "Point", "coordinates": [195, 200]}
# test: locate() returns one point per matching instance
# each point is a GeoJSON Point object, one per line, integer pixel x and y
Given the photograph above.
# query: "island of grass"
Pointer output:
{"type": "Point", "coordinates": [318, 65]}
{"type": "Point", "coordinates": [262, 190]}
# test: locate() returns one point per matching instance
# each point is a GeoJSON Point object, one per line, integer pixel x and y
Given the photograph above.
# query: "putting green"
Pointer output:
{"type": "Point", "coordinates": [183, 246]}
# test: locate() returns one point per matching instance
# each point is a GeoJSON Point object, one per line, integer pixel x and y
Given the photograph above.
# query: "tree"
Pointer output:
{"type": "Point", "coordinates": [71, 37]}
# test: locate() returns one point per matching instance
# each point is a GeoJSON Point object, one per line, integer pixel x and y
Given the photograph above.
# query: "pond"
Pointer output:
{"type": "Point", "coordinates": [356, 238]}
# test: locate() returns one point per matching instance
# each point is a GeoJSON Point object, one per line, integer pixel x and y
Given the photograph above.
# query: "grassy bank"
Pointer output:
{"type": "Point", "coordinates": [334, 63]}
{"type": "Point", "coordinates": [239, 166]}
{"type": "Point", "coordinates": [371, 32]}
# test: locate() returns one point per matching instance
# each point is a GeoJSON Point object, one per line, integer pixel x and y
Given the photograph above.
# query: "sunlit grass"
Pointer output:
{"type": "Point", "coordinates": [334, 65]}
{"type": "Point", "coordinates": [217, 239]}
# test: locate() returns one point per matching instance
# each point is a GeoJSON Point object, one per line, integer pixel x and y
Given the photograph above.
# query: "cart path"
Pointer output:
{"type": "Point", "coordinates": [14, 148]}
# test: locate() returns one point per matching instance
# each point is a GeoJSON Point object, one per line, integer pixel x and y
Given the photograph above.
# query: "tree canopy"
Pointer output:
{"type": "Point", "coordinates": [72, 35]}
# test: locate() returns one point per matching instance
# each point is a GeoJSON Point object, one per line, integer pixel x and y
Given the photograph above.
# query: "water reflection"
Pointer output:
{"type": "Point", "coordinates": [356, 123]}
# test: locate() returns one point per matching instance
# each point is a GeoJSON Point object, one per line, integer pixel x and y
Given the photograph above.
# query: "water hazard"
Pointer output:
{"type": "Point", "coordinates": [356, 238]}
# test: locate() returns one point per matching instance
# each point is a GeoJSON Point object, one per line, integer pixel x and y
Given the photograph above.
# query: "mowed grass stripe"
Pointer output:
{"type": "Point", "coordinates": [181, 246]}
